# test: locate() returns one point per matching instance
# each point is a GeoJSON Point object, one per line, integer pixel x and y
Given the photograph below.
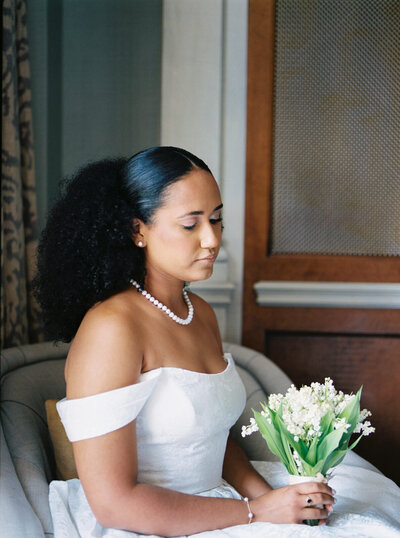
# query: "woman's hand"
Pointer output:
{"type": "Point", "coordinates": [291, 504]}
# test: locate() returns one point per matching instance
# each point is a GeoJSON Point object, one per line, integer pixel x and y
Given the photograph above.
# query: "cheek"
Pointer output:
{"type": "Point", "coordinates": [169, 245]}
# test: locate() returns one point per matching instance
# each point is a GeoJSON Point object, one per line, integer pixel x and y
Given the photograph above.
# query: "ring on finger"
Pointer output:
{"type": "Point", "coordinates": [309, 500]}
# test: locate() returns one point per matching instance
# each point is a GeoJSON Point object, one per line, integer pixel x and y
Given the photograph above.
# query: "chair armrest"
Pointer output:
{"type": "Point", "coordinates": [16, 515]}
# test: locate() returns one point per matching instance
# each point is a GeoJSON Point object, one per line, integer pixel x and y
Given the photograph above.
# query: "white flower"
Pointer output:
{"type": "Point", "coordinates": [248, 430]}
{"type": "Point", "coordinates": [367, 428]}
{"type": "Point", "coordinates": [364, 414]}
{"type": "Point", "coordinates": [302, 410]}
{"type": "Point", "coordinates": [341, 423]}
{"type": "Point", "coordinates": [297, 460]}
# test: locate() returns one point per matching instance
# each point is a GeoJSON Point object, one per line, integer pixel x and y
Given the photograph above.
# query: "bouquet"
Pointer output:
{"type": "Point", "coordinates": [309, 429]}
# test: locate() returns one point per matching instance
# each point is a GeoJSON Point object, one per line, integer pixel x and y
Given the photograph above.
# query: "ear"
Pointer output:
{"type": "Point", "coordinates": [138, 232]}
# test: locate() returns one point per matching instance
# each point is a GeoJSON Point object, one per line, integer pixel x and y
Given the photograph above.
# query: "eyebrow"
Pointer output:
{"type": "Point", "coordinates": [220, 206]}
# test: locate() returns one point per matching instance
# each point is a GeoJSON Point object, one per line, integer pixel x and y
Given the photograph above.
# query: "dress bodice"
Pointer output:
{"type": "Point", "coordinates": [183, 421]}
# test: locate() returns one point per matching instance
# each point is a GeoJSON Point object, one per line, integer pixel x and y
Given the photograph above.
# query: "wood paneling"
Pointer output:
{"type": "Point", "coordinates": [350, 361]}
{"type": "Point", "coordinates": [352, 346]}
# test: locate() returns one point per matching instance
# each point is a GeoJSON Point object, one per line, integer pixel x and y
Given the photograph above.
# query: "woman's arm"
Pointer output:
{"type": "Point", "coordinates": [239, 472]}
{"type": "Point", "coordinates": [107, 467]}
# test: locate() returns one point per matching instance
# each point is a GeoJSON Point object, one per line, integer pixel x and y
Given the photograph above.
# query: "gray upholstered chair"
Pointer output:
{"type": "Point", "coordinates": [32, 374]}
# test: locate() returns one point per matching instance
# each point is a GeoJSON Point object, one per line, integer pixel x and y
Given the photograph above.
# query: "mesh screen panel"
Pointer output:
{"type": "Point", "coordinates": [336, 165]}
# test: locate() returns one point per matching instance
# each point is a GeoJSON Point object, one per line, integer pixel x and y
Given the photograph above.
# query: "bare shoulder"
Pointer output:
{"type": "Point", "coordinates": [107, 350]}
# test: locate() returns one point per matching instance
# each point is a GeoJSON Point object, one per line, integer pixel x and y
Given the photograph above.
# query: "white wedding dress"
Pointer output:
{"type": "Point", "coordinates": [182, 421]}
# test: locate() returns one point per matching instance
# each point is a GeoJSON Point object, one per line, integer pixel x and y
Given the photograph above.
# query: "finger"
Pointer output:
{"type": "Point", "coordinates": [310, 501]}
{"type": "Point", "coordinates": [317, 498]}
{"type": "Point", "coordinates": [307, 488]}
{"type": "Point", "coordinates": [314, 513]}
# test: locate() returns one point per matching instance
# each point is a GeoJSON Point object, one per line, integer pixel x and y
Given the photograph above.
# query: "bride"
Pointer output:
{"type": "Point", "coordinates": [150, 396]}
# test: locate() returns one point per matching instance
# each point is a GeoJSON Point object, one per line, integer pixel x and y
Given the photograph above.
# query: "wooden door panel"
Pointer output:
{"type": "Point", "coordinates": [352, 346]}
{"type": "Point", "coordinates": [350, 361]}
{"type": "Point", "coordinates": [259, 179]}
{"type": "Point", "coordinates": [332, 320]}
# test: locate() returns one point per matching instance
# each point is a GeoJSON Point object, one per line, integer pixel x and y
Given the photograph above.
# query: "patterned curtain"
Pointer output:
{"type": "Point", "coordinates": [20, 320]}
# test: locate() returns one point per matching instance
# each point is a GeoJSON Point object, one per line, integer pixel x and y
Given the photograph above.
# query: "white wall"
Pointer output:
{"type": "Point", "coordinates": [203, 109]}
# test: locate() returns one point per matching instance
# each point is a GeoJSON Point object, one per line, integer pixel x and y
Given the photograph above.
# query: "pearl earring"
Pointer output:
{"type": "Point", "coordinates": [140, 244]}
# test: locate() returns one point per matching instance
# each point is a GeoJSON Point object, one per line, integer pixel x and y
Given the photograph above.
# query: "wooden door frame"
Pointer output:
{"type": "Point", "coordinates": [261, 26]}
{"type": "Point", "coordinates": [259, 168]}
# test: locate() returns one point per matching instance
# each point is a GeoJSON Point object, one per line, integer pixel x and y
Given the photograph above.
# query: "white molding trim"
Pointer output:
{"type": "Point", "coordinates": [327, 294]}
{"type": "Point", "coordinates": [233, 152]}
{"type": "Point", "coordinates": [215, 293]}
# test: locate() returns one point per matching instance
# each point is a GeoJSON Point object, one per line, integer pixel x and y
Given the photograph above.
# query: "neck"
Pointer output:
{"type": "Point", "coordinates": [164, 308]}
{"type": "Point", "coordinates": [166, 289]}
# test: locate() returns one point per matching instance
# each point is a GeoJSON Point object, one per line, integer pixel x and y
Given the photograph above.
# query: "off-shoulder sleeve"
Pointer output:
{"type": "Point", "coordinates": [84, 418]}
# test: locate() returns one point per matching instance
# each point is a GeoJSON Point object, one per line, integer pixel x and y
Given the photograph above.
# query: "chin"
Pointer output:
{"type": "Point", "coordinates": [204, 275]}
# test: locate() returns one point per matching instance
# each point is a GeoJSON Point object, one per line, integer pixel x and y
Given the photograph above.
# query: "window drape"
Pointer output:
{"type": "Point", "coordinates": [20, 318]}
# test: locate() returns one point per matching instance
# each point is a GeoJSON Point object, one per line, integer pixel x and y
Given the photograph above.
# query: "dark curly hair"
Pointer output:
{"type": "Point", "coordinates": [86, 252]}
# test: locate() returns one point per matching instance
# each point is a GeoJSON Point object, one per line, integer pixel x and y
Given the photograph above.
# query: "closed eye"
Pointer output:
{"type": "Point", "coordinates": [216, 221]}
{"type": "Point", "coordinates": [213, 222]}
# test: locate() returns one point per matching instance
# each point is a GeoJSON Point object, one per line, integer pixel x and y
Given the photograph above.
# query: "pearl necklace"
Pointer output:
{"type": "Point", "coordinates": [164, 308]}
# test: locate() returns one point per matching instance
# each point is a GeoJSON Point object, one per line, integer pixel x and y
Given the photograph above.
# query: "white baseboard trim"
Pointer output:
{"type": "Point", "coordinates": [327, 294]}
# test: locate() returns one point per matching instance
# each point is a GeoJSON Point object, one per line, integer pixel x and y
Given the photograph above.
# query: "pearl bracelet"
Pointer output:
{"type": "Point", "coordinates": [250, 514]}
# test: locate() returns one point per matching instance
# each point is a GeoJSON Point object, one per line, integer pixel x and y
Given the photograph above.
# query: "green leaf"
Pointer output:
{"type": "Point", "coordinates": [279, 417]}
{"type": "Point", "coordinates": [299, 445]}
{"type": "Point", "coordinates": [271, 436]}
{"type": "Point", "coordinates": [333, 459]}
{"type": "Point", "coordinates": [326, 425]}
{"type": "Point", "coordinates": [272, 415]}
{"type": "Point", "coordinates": [312, 451]}
{"type": "Point", "coordinates": [317, 468]}
{"type": "Point", "coordinates": [329, 444]}
{"type": "Point", "coordinates": [292, 467]}
{"type": "Point", "coordinates": [307, 469]}
{"type": "Point", "coordinates": [351, 413]}
{"type": "Point", "coordinates": [352, 410]}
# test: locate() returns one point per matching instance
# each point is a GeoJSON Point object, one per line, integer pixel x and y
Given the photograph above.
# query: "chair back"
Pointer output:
{"type": "Point", "coordinates": [261, 377]}
{"type": "Point", "coordinates": [30, 375]}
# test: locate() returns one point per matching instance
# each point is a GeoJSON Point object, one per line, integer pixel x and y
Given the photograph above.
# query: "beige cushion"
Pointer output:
{"type": "Point", "coordinates": [63, 453]}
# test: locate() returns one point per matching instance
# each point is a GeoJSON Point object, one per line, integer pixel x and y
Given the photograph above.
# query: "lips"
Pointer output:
{"type": "Point", "coordinates": [209, 259]}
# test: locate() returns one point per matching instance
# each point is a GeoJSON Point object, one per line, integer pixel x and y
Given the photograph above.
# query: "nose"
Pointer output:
{"type": "Point", "coordinates": [210, 237]}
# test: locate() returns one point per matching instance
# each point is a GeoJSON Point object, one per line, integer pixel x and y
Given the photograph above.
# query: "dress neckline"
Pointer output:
{"type": "Point", "coordinates": [150, 377]}
{"type": "Point", "coordinates": [226, 356]}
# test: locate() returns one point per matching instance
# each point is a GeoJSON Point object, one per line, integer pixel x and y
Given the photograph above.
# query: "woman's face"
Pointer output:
{"type": "Point", "coordinates": [184, 236]}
